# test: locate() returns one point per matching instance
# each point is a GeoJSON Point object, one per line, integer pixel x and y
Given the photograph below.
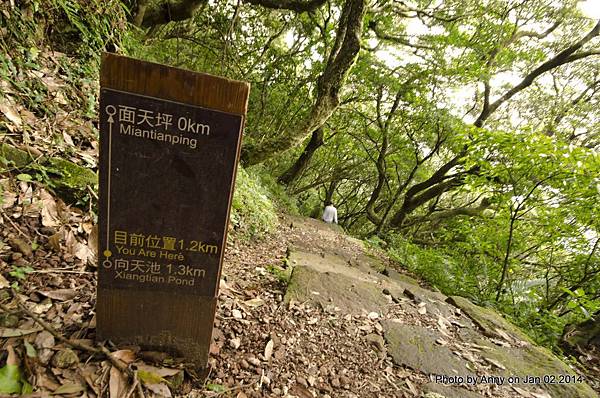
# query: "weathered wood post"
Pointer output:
{"type": "Point", "coordinates": [169, 148]}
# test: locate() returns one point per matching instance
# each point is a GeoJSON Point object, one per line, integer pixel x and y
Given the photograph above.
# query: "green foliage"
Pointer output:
{"type": "Point", "coordinates": [252, 213]}
{"type": "Point", "coordinates": [218, 388]}
{"type": "Point", "coordinates": [276, 192]}
{"type": "Point", "coordinates": [20, 273]}
{"type": "Point", "coordinates": [283, 275]}
{"type": "Point", "coordinates": [12, 380]}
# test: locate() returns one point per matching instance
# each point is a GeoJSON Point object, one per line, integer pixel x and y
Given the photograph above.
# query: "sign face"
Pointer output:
{"type": "Point", "coordinates": [168, 178]}
{"type": "Point", "coordinates": [167, 168]}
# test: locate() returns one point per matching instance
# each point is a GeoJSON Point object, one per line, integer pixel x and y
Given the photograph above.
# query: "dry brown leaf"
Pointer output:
{"type": "Point", "coordinates": [60, 294]}
{"type": "Point", "coordinates": [50, 216]}
{"type": "Point", "coordinates": [8, 108]}
{"type": "Point", "coordinates": [44, 340]}
{"type": "Point", "coordinates": [12, 358]}
{"type": "Point", "coordinates": [76, 248]}
{"type": "Point", "coordinates": [504, 335]}
{"type": "Point", "coordinates": [3, 282]}
{"type": "Point", "coordinates": [162, 372]}
{"type": "Point", "coordinates": [117, 384]}
{"type": "Point", "coordinates": [42, 380]}
{"type": "Point", "coordinates": [126, 356]}
{"type": "Point", "coordinates": [269, 350]}
{"type": "Point", "coordinates": [235, 343]}
{"type": "Point", "coordinates": [69, 388]}
{"type": "Point", "coordinates": [254, 303]}
{"type": "Point", "coordinates": [68, 139]}
{"type": "Point", "coordinates": [160, 389]}
{"type": "Point", "coordinates": [522, 393]}
{"type": "Point", "coordinates": [300, 391]}
{"type": "Point", "coordinates": [40, 308]}
{"type": "Point", "coordinates": [540, 394]}
{"type": "Point", "coordinates": [7, 332]}
{"type": "Point", "coordinates": [412, 388]}
{"type": "Point", "coordinates": [88, 372]}
{"type": "Point", "coordinates": [9, 198]}
{"type": "Point", "coordinates": [54, 241]}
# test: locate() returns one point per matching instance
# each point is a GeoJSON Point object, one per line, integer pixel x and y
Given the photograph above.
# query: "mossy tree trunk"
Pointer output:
{"type": "Point", "coordinates": [296, 170]}
{"type": "Point", "coordinates": [341, 59]}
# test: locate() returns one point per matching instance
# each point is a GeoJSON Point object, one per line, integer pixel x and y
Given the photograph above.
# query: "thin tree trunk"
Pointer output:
{"type": "Point", "coordinates": [295, 170]}
{"type": "Point", "coordinates": [506, 255]}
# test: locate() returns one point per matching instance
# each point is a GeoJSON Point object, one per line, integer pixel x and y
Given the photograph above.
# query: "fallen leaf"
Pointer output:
{"type": "Point", "coordinates": [6, 332]}
{"type": "Point", "coordinates": [3, 282]}
{"type": "Point", "coordinates": [237, 314]}
{"type": "Point", "coordinates": [42, 307]}
{"type": "Point", "coordinates": [162, 372]}
{"type": "Point", "coordinates": [300, 391]}
{"type": "Point", "coordinates": [69, 388]}
{"type": "Point", "coordinates": [117, 383]}
{"type": "Point", "coordinates": [68, 139]}
{"type": "Point", "coordinates": [29, 349]}
{"type": "Point", "coordinates": [149, 377]}
{"type": "Point", "coordinates": [235, 343]}
{"type": "Point", "coordinates": [76, 248]}
{"type": "Point", "coordinates": [60, 294]}
{"type": "Point", "coordinates": [8, 108]}
{"type": "Point", "coordinates": [44, 340]}
{"type": "Point", "coordinates": [21, 246]}
{"type": "Point", "coordinates": [216, 388]}
{"type": "Point", "coordinates": [269, 350]}
{"type": "Point", "coordinates": [54, 241]}
{"type": "Point", "coordinates": [126, 356]}
{"type": "Point", "coordinates": [50, 216]}
{"type": "Point", "coordinates": [504, 335]}
{"type": "Point", "coordinates": [412, 388]}
{"type": "Point", "coordinates": [254, 303]}
{"type": "Point", "coordinates": [161, 389]}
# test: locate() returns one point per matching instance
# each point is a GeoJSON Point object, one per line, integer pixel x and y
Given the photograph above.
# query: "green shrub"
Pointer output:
{"type": "Point", "coordinates": [276, 192]}
{"type": "Point", "coordinates": [252, 212]}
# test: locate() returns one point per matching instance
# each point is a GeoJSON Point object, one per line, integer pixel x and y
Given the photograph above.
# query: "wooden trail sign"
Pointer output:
{"type": "Point", "coordinates": [169, 148]}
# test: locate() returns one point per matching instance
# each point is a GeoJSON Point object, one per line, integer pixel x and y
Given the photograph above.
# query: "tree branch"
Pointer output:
{"type": "Point", "coordinates": [566, 56]}
{"type": "Point", "coordinates": [292, 5]}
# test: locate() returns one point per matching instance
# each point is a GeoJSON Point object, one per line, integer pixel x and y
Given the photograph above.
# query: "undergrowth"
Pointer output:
{"type": "Point", "coordinates": [253, 213]}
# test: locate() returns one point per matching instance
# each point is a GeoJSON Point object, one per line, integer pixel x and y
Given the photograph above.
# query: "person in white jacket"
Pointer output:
{"type": "Point", "coordinates": [330, 214]}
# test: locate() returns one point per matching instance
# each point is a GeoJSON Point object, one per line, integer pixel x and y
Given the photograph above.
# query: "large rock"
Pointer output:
{"type": "Point", "coordinates": [518, 355]}
{"type": "Point", "coordinates": [489, 321]}
{"type": "Point", "coordinates": [535, 361]}
{"type": "Point", "coordinates": [328, 279]}
{"type": "Point", "coordinates": [69, 179]}
{"type": "Point", "coordinates": [415, 347]}
{"type": "Point", "coordinates": [350, 295]}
